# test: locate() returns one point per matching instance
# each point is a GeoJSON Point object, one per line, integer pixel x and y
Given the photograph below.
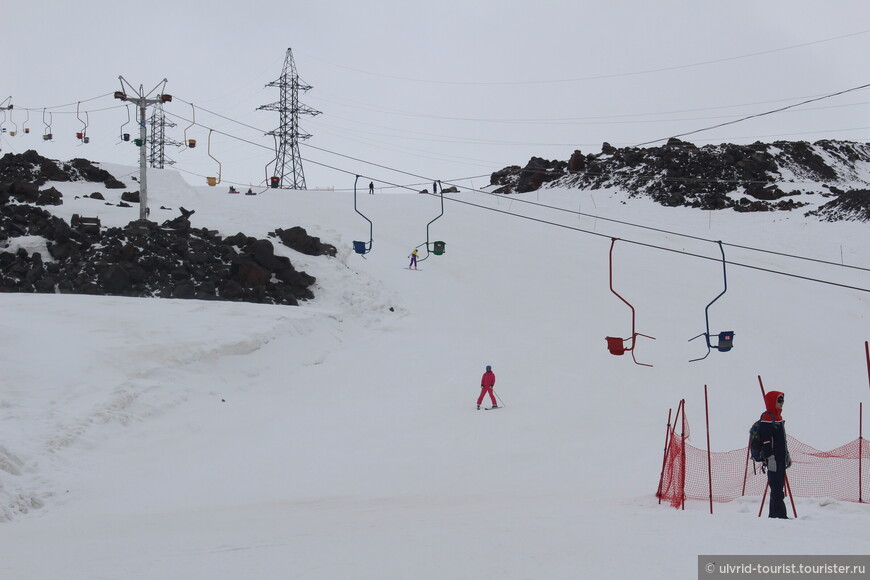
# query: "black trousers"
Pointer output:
{"type": "Point", "coordinates": [776, 481]}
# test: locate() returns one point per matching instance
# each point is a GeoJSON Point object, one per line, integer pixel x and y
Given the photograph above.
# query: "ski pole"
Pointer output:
{"type": "Point", "coordinates": [499, 398]}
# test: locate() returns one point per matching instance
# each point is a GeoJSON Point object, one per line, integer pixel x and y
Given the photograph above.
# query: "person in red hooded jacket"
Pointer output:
{"type": "Point", "coordinates": [774, 448]}
{"type": "Point", "coordinates": [487, 382]}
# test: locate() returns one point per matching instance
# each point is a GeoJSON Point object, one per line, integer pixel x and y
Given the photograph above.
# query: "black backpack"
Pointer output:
{"type": "Point", "coordinates": [755, 439]}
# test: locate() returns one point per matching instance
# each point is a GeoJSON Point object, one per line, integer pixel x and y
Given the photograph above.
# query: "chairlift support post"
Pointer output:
{"type": "Point", "coordinates": [616, 345]}
{"type": "Point", "coordinates": [726, 338]}
{"type": "Point", "coordinates": [142, 100]}
{"type": "Point", "coordinates": [360, 247]}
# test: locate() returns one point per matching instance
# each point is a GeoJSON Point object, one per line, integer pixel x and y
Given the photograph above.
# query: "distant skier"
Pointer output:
{"type": "Point", "coordinates": [413, 263]}
{"type": "Point", "coordinates": [487, 382]}
{"type": "Point", "coordinates": [371, 187]}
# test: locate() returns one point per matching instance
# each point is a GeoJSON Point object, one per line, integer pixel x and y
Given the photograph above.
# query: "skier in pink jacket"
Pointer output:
{"type": "Point", "coordinates": [487, 382]}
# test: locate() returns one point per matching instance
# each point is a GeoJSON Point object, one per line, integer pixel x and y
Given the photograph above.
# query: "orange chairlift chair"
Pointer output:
{"type": "Point", "coordinates": [615, 345]}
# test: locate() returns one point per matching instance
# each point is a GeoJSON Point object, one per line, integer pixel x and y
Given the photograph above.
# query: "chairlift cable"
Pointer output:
{"type": "Point", "coordinates": [828, 96]}
{"type": "Point", "coordinates": [539, 220]}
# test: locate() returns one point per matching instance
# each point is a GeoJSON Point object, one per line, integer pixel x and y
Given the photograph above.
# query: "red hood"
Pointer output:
{"type": "Point", "coordinates": [770, 403]}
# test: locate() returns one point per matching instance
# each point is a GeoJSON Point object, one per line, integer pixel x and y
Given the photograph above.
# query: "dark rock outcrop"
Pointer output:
{"type": "Point", "coordinates": [756, 177]}
{"type": "Point", "coordinates": [298, 239]}
{"type": "Point", "coordinates": [851, 205]}
{"type": "Point", "coordinates": [171, 260]}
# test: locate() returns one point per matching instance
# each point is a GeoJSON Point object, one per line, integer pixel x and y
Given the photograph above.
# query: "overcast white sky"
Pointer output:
{"type": "Point", "coordinates": [443, 90]}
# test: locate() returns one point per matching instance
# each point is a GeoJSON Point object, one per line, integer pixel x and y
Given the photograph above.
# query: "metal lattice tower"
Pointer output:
{"type": "Point", "coordinates": [288, 162]}
{"type": "Point", "coordinates": [157, 153]}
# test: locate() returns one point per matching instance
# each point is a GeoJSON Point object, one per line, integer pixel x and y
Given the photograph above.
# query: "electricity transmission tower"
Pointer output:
{"type": "Point", "coordinates": [157, 154]}
{"type": "Point", "coordinates": [288, 163]}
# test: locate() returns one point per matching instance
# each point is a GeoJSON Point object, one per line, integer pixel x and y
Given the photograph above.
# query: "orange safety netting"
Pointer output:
{"type": "Point", "coordinates": [813, 473]}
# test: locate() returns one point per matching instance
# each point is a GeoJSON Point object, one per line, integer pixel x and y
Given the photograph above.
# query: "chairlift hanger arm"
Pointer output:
{"type": "Point", "coordinates": [725, 289]}
{"type": "Point", "coordinates": [618, 295]}
{"type": "Point", "coordinates": [361, 245]}
{"type": "Point", "coordinates": [706, 333]}
{"type": "Point", "coordinates": [187, 142]}
{"type": "Point", "coordinates": [218, 180]}
{"type": "Point", "coordinates": [430, 223]}
{"type": "Point", "coordinates": [634, 333]}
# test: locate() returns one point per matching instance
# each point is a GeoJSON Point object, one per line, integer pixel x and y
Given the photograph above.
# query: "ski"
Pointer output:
{"type": "Point", "coordinates": [491, 408]}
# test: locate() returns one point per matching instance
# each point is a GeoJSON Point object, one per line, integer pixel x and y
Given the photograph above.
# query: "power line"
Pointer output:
{"type": "Point", "coordinates": [828, 96]}
{"type": "Point", "coordinates": [73, 104]}
{"type": "Point", "coordinates": [598, 77]}
{"type": "Point", "coordinates": [587, 120]}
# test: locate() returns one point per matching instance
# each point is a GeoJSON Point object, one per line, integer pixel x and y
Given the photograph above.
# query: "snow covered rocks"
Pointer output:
{"type": "Point", "coordinates": [172, 260]}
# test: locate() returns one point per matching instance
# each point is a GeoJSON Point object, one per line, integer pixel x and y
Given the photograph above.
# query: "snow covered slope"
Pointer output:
{"type": "Point", "coordinates": [339, 439]}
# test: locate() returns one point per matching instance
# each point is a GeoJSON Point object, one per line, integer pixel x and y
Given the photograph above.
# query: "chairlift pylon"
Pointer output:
{"type": "Point", "coordinates": [438, 247]}
{"type": "Point", "coordinates": [725, 340]}
{"type": "Point", "coordinates": [361, 247]}
{"type": "Point", "coordinates": [616, 345]}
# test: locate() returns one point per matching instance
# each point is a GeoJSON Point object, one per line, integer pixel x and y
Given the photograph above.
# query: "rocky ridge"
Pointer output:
{"type": "Point", "coordinates": [756, 177]}
{"type": "Point", "coordinates": [168, 260]}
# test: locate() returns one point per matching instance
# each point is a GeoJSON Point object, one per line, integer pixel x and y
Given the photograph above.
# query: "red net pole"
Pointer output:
{"type": "Point", "coordinates": [766, 485]}
{"type": "Point", "coordinates": [664, 456]}
{"type": "Point", "coordinates": [790, 496]}
{"type": "Point", "coordinates": [745, 471]}
{"type": "Point", "coordinates": [763, 497]}
{"type": "Point", "coordinates": [709, 460]}
{"type": "Point", "coordinates": [867, 352]}
{"type": "Point", "coordinates": [683, 439]}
